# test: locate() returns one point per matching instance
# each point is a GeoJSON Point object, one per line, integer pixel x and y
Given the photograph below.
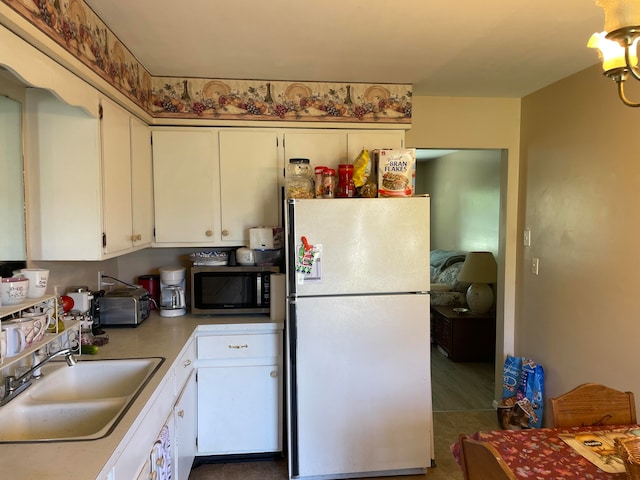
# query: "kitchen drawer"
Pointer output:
{"type": "Point", "coordinates": [230, 347]}
{"type": "Point", "coordinates": [185, 365]}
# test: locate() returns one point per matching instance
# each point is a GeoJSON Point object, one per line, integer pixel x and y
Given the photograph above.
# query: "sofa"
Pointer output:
{"type": "Point", "coordinates": [445, 287]}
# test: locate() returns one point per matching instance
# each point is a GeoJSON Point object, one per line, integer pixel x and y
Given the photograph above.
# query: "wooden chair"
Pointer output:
{"type": "Point", "coordinates": [593, 404]}
{"type": "Point", "coordinates": [481, 461]}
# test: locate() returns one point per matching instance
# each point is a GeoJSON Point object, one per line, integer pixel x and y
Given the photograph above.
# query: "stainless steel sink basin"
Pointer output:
{"type": "Point", "coordinates": [83, 402]}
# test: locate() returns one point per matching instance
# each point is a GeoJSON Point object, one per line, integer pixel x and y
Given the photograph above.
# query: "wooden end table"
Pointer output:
{"type": "Point", "coordinates": [465, 337]}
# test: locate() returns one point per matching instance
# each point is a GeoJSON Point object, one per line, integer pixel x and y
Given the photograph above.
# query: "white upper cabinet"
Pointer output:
{"type": "Point", "coordinates": [141, 183]}
{"type": "Point", "coordinates": [370, 140]}
{"type": "Point", "coordinates": [12, 219]}
{"type": "Point", "coordinates": [127, 180]}
{"type": "Point", "coordinates": [249, 183]}
{"type": "Point", "coordinates": [64, 180]}
{"type": "Point", "coordinates": [326, 148]}
{"type": "Point", "coordinates": [186, 186]}
{"type": "Point", "coordinates": [331, 148]}
{"type": "Point", "coordinates": [212, 185]}
{"type": "Point", "coordinates": [79, 177]}
{"type": "Point", "coordinates": [116, 171]}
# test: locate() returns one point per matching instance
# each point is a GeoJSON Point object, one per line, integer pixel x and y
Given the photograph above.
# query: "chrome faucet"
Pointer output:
{"type": "Point", "coordinates": [14, 386]}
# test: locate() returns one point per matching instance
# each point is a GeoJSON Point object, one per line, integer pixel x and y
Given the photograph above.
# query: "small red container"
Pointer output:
{"type": "Point", "coordinates": [346, 188]}
{"type": "Point", "coordinates": [151, 283]}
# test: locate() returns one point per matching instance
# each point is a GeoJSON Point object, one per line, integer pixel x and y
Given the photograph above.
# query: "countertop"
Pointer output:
{"type": "Point", "coordinates": [155, 337]}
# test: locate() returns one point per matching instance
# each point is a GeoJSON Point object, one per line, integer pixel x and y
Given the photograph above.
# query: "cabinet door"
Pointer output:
{"type": "Point", "coordinates": [12, 219]}
{"type": "Point", "coordinates": [239, 410]}
{"type": "Point", "coordinates": [357, 141]}
{"type": "Point", "coordinates": [64, 194]}
{"type": "Point", "coordinates": [116, 175]}
{"type": "Point", "coordinates": [249, 183]}
{"type": "Point", "coordinates": [185, 432]}
{"type": "Point", "coordinates": [186, 186]}
{"type": "Point", "coordinates": [141, 184]}
{"type": "Point", "coordinates": [321, 148]}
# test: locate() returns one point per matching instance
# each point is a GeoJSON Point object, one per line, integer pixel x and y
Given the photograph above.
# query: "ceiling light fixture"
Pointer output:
{"type": "Point", "coordinates": [618, 44]}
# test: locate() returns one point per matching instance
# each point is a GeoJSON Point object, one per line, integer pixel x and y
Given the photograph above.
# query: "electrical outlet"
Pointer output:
{"type": "Point", "coordinates": [527, 238]}
{"type": "Point", "coordinates": [535, 265]}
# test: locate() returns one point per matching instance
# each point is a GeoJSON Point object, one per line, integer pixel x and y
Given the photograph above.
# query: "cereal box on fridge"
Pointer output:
{"type": "Point", "coordinates": [396, 172]}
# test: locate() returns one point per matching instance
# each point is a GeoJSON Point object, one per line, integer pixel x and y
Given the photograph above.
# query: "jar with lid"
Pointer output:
{"type": "Point", "coordinates": [299, 180]}
{"type": "Point", "coordinates": [329, 183]}
{"type": "Point", "coordinates": [346, 187]}
{"type": "Point", "coordinates": [319, 171]}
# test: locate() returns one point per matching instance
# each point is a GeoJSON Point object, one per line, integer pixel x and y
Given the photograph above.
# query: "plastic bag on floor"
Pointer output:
{"type": "Point", "coordinates": [522, 400]}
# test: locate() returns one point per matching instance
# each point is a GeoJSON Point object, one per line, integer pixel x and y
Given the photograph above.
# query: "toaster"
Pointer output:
{"type": "Point", "coordinates": [125, 306]}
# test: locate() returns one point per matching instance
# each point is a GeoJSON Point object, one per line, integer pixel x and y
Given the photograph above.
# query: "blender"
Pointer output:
{"type": "Point", "coordinates": [172, 286]}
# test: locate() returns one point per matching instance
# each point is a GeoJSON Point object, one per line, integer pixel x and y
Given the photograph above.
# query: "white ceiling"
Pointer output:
{"type": "Point", "coordinates": [499, 48]}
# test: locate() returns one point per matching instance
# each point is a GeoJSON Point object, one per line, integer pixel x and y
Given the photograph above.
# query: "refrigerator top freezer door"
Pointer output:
{"type": "Point", "coordinates": [365, 245]}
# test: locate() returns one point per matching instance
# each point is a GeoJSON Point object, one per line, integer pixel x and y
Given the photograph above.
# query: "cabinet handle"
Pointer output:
{"type": "Point", "coordinates": [209, 233]}
{"type": "Point", "coordinates": [273, 374]}
{"type": "Point", "coordinates": [225, 233]}
{"type": "Point", "coordinates": [136, 238]}
{"type": "Point", "coordinates": [239, 346]}
{"type": "Point", "coordinates": [186, 364]}
{"type": "Point", "coordinates": [181, 413]}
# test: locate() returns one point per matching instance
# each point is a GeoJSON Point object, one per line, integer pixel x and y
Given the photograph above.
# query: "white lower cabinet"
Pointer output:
{"type": "Point", "coordinates": [239, 413]}
{"type": "Point", "coordinates": [185, 427]}
{"type": "Point", "coordinates": [163, 445]}
{"type": "Point", "coordinates": [240, 391]}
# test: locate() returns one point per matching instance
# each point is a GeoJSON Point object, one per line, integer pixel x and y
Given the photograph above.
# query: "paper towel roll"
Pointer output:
{"type": "Point", "coordinates": [277, 303]}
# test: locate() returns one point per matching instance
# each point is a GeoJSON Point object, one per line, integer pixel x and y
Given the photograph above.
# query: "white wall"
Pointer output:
{"type": "Point", "coordinates": [579, 316]}
{"type": "Point", "coordinates": [494, 123]}
{"type": "Point", "coordinates": [465, 199]}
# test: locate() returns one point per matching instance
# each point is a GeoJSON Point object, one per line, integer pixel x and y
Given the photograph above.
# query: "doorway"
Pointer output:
{"type": "Point", "coordinates": [465, 188]}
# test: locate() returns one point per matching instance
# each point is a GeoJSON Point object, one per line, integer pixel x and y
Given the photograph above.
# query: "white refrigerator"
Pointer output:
{"type": "Point", "coordinates": [358, 346]}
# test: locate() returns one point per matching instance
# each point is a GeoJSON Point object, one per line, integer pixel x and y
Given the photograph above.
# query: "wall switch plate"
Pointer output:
{"type": "Point", "coordinates": [527, 237]}
{"type": "Point", "coordinates": [535, 265]}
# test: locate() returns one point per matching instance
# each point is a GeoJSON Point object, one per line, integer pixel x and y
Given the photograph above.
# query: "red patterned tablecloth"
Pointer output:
{"type": "Point", "coordinates": [541, 454]}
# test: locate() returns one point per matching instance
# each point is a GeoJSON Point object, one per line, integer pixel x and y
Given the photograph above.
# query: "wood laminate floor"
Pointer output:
{"type": "Point", "coordinates": [462, 401]}
{"type": "Point", "coordinates": [461, 386]}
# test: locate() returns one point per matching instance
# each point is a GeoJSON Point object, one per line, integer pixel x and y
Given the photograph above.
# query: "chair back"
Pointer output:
{"type": "Point", "coordinates": [593, 404]}
{"type": "Point", "coordinates": [481, 461]}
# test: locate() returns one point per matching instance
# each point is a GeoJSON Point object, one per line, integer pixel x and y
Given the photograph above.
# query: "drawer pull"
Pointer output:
{"type": "Point", "coordinates": [273, 374]}
{"type": "Point", "coordinates": [186, 364]}
{"type": "Point", "coordinates": [239, 346]}
{"type": "Point", "coordinates": [181, 413]}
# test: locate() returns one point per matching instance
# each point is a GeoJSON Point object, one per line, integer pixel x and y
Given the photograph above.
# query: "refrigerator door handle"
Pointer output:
{"type": "Point", "coordinates": [291, 246]}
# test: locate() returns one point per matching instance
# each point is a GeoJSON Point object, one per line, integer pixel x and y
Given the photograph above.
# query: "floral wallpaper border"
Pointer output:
{"type": "Point", "coordinates": [73, 25]}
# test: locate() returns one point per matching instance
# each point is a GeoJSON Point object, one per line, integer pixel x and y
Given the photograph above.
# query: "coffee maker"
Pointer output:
{"type": "Point", "coordinates": [172, 285]}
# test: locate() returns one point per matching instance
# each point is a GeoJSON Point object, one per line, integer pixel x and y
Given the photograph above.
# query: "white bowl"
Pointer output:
{"type": "Point", "coordinates": [14, 290]}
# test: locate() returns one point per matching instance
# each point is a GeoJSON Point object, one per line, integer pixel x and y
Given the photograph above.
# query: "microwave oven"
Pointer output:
{"type": "Point", "coordinates": [231, 290]}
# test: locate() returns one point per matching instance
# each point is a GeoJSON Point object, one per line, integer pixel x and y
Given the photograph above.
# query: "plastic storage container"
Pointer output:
{"type": "Point", "coordinates": [319, 172]}
{"type": "Point", "coordinates": [328, 183]}
{"type": "Point", "coordinates": [299, 179]}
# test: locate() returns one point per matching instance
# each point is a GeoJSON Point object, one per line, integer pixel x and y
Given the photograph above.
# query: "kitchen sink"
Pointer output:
{"type": "Point", "coordinates": [82, 402]}
{"type": "Point", "coordinates": [92, 379]}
